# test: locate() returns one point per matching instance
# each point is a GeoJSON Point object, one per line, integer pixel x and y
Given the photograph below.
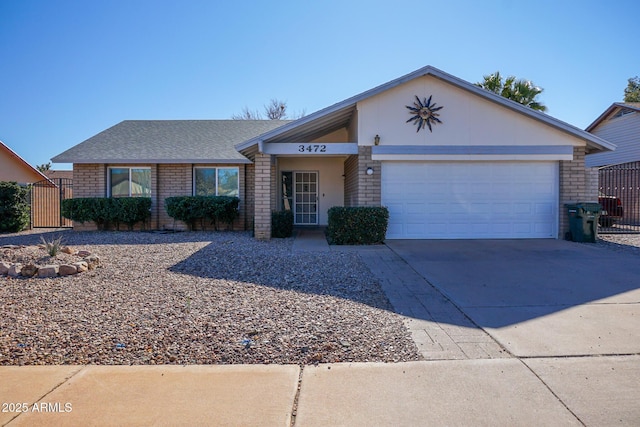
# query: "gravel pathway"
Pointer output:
{"type": "Point", "coordinates": [199, 298]}
{"type": "Point", "coordinates": [621, 242]}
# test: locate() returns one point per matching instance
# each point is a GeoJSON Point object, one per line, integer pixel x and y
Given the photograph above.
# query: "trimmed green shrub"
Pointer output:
{"type": "Point", "coordinates": [191, 209]}
{"type": "Point", "coordinates": [15, 214]}
{"type": "Point", "coordinates": [131, 210]}
{"type": "Point", "coordinates": [184, 208]}
{"type": "Point", "coordinates": [357, 225]}
{"type": "Point", "coordinates": [221, 210]}
{"type": "Point", "coordinates": [281, 224]}
{"type": "Point", "coordinates": [105, 211]}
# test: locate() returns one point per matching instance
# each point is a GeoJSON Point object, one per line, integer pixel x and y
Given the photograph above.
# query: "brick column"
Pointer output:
{"type": "Point", "coordinates": [262, 196]}
{"type": "Point", "coordinates": [573, 186]}
{"type": "Point", "coordinates": [369, 186]}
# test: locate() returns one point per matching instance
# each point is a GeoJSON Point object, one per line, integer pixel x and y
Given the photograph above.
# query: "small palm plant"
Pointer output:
{"type": "Point", "coordinates": [52, 247]}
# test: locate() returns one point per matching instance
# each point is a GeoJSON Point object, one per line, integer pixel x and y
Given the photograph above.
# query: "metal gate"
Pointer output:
{"type": "Point", "coordinates": [619, 195]}
{"type": "Point", "coordinates": [46, 203]}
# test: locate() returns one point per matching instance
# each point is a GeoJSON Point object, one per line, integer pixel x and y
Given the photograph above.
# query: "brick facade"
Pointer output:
{"type": "Point", "coordinates": [576, 185]}
{"type": "Point", "coordinates": [369, 186]}
{"type": "Point", "coordinates": [351, 181]}
{"type": "Point", "coordinates": [89, 180]}
{"type": "Point", "coordinates": [258, 188]}
{"type": "Point", "coordinates": [264, 199]}
{"type": "Point", "coordinates": [167, 180]}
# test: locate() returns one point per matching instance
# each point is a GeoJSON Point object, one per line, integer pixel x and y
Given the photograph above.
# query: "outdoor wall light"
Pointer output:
{"type": "Point", "coordinates": [369, 171]}
{"type": "Point", "coordinates": [376, 140]}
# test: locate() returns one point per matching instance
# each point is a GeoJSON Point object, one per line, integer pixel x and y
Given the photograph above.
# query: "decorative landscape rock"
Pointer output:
{"type": "Point", "coordinates": [15, 270]}
{"type": "Point", "coordinates": [29, 270]}
{"type": "Point", "coordinates": [81, 266]}
{"type": "Point", "coordinates": [92, 261]}
{"type": "Point", "coordinates": [26, 261]}
{"type": "Point", "coordinates": [67, 270]}
{"type": "Point", "coordinates": [48, 271]}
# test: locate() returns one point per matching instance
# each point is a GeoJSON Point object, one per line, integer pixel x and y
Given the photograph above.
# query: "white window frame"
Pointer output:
{"type": "Point", "coordinates": [130, 168]}
{"type": "Point", "coordinates": [193, 186]}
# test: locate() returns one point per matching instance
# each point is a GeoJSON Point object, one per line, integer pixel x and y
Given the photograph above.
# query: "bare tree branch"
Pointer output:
{"type": "Point", "coordinates": [247, 114]}
{"type": "Point", "coordinates": [276, 109]}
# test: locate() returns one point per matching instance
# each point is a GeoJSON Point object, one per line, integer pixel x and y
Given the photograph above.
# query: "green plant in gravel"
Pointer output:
{"type": "Point", "coordinates": [357, 225]}
{"type": "Point", "coordinates": [14, 207]}
{"type": "Point", "coordinates": [52, 247]}
{"type": "Point", "coordinates": [281, 224]}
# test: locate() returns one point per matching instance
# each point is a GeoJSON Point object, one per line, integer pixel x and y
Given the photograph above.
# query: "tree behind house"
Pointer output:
{"type": "Point", "coordinates": [632, 91]}
{"type": "Point", "coordinates": [44, 167]}
{"type": "Point", "coordinates": [520, 90]}
{"type": "Point", "coordinates": [274, 110]}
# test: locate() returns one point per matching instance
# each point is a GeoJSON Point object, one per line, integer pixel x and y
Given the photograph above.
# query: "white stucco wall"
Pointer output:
{"type": "Point", "coordinates": [467, 119]}
{"type": "Point", "coordinates": [331, 181]}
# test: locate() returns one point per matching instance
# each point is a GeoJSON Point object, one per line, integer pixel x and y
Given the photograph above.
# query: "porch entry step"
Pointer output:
{"type": "Point", "coordinates": [310, 240]}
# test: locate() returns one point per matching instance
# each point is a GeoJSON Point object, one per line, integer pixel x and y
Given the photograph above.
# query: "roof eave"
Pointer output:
{"type": "Point", "coordinates": [591, 140]}
{"type": "Point", "coordinates": [151, 161]}
{"type": "Point", "coordinates": [23, 161]}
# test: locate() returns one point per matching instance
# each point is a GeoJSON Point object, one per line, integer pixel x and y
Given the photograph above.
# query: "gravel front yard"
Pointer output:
{"type": "Point", "coordinates": [198, 298]}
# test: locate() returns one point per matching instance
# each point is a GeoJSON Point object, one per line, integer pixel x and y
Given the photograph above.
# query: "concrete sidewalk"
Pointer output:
{"type": "Point", "coordinates": [500, 392]}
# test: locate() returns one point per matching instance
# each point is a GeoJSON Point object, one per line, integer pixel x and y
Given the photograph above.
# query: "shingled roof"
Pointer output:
{"type": "Point", "coordinates": [169, 141]}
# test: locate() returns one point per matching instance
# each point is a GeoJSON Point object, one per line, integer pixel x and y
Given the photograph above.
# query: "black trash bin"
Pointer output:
{"type": "Point", "coordinates": [583, 221]}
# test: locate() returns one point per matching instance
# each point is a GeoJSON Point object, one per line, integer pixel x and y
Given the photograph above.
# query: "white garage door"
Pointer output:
{"type": "Point", "coordinates": [470, 200]}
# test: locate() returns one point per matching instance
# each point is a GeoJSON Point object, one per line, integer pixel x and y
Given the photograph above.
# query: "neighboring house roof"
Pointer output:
{"type": "Point", "coordinates": [615, 106]}
{"type": "Point", "coordinates": [15, 168]}
{"type": "Point", "coordinates": [619, 124]}
{"type": "Point", "coordinates": [339, 115]}
{"type": "Point", "coordinates": [54, 174]}
{"type": "Point", "coordinates": [168, 141]}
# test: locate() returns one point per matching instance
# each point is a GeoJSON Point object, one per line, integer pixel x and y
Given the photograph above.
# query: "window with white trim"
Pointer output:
{"type": "Point", "coordinates": [210, 181]}
{"type": "Point", "coordinates": [129, 182]}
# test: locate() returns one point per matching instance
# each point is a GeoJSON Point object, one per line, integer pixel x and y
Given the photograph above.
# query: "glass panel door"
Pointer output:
{"type": "Point", "coordinates": [306, 198]}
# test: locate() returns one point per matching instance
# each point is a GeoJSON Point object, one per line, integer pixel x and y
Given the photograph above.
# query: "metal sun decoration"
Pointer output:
{"type": "Point", "coordinates": [424, 113]}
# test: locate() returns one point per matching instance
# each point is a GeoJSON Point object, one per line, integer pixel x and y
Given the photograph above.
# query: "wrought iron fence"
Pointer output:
{"type": "Point", "coordinates": [619, 195]}
{"type": "Point", "coordinates": [46, 203]}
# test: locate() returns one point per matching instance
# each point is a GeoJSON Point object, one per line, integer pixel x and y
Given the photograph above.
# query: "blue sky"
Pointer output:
{"type": "Point", "coordinates": [70, 69]}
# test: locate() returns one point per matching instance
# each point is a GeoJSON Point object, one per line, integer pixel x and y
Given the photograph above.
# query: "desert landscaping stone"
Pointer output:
{"type": "Point", "coordinates": [92, 261]}
{"type": "Point", "coordinates": [26, 261]}
{"type": "Point", "coordinates": [200, 298]}
{"type": "Point", "coordinates": [83, 254]}
{"type": "Point", "coordinates": [67, 270]}
{"type": "Point", "coordinates": [48, 271]}
{"type": "Point", "coordinates": [15, 270]}
{"type": "Point", "coordinates": [29, 270]}
{"type": "Point", "coordinates": [81, 266]}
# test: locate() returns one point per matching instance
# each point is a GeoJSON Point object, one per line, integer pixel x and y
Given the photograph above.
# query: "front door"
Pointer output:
{"type": "Point", "coordinates": [300, 193]}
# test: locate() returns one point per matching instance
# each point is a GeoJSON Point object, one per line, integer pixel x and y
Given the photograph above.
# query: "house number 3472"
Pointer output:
{"type": "Point", "coordinates": [312, 148]}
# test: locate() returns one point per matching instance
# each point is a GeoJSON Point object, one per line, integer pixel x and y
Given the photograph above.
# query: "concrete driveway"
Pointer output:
{"type": "Point", "coordinates": [537, 298]}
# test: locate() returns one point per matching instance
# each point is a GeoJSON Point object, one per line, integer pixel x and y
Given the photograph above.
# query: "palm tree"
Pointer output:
{"type": "Point", "coordinates": [520, 90]}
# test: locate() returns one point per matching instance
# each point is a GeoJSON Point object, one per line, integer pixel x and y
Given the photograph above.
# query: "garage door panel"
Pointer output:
{"type": "Point", "coordinates": [457, 200]}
